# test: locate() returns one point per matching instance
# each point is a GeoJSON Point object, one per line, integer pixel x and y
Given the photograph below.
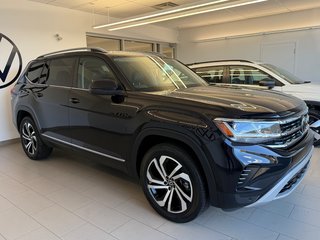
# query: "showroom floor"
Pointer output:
{"type": "Point", "coordinates": [67, 197]}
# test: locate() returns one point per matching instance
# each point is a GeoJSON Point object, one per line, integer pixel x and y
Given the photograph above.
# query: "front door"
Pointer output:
{"type": "Point", "coordinates": [98, 123]}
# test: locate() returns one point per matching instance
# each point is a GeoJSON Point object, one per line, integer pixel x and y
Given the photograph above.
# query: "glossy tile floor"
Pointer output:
{"type": "Point", "coordinates": [68, 197]}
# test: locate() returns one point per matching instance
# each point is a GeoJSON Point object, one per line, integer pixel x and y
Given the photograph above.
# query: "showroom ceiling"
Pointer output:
{"type": "Point", "coordinates": [129, 8]}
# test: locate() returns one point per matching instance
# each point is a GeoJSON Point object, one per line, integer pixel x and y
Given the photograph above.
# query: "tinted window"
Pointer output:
{"type": "Point", "coordinates": [60, 72]}
{"type": "Point", "coordinates": [248, 75]}
{"type": "Point", "coordinates": [90, 69]}
{"type": "Point", "coordinates": [212, 74]}
{"type": "Point", "coordinates": [34, 72]}
{"type": "Point", "coordinates": [44, 74]}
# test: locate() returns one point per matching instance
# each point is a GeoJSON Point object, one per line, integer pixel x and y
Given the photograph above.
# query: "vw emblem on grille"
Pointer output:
{"type": "Point", "coordinates": [10, 61]}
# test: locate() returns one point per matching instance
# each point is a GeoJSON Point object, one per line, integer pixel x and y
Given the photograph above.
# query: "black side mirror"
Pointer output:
{"type": "Point", "coordinates": [267, 82]}
{"type": "Point", "coordinates": [105, 87]}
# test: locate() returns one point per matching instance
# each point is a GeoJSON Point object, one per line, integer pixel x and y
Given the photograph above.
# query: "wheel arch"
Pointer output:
{"type": "Point", "coordinates": [151, 137]}
{"type": "Point", "coordinates": [23, 112]}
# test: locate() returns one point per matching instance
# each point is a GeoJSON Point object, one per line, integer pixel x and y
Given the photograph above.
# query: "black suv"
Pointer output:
{"type": "Point", "coordinates": [152, 117]}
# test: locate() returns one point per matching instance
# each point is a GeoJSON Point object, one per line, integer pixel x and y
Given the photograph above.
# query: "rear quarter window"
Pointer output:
{"type": "Point", "coordinates": [34, 71]}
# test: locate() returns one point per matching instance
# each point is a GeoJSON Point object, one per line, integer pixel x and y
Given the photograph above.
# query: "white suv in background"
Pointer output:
{"type": "Point", "coordinates": [264, 76]}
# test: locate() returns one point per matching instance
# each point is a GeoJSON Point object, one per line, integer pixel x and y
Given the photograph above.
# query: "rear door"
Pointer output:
{"type": "Point", "coordinates": [50, 93]}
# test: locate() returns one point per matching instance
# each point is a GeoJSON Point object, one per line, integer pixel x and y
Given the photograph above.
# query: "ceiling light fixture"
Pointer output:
{"type": "Point", "coordinates": [161, 13]}
{"type": "Point", "coordinates": [177, 13]}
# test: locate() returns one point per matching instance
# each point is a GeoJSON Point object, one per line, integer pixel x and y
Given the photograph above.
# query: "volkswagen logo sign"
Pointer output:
{"type": "Point", "coordinates": [10, 61]}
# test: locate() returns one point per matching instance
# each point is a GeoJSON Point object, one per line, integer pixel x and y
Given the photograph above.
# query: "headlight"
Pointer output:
{"type": "Point", "coordinates": [249, 131]}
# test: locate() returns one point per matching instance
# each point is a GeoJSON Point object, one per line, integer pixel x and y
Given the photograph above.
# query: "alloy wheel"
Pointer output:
{"type": "Point", "coordinates": [29, 138]}
{"type": "Point", "coordinates": [169, 184]}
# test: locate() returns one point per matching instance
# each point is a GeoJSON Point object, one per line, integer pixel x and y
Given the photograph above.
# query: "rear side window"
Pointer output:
{"type": "Point", "coordinates": [34, 72]}
{"type": "Point", "coordinates": [59, 72]}
{"type": "Point", "coordinates": [212, 74]}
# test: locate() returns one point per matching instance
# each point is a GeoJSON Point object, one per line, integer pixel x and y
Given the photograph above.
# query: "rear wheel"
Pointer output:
{"type": "Point", "coordinates": [314, 117]}
{"type": "Point", "coordinates": [172, 183]}
{"type": "Point", "coordinates": [31, 141]}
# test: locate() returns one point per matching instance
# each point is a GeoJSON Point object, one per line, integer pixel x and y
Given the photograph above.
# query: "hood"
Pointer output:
{"type": "Point", "coordinates": [305, 91]}
{"type": "Point", "coordinates": [236, 102]}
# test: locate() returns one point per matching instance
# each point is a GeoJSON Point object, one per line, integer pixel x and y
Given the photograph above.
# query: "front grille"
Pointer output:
{"type": "Point", "coordinates": [294, 179]}
{"type": "Point", "coordinates": [292, 130]}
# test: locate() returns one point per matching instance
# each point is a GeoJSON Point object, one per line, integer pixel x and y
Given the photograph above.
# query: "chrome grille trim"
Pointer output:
{"type": "Point", "coordinates": [293, 129]}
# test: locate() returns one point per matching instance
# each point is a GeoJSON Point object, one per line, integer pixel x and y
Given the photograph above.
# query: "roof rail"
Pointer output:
{"type": "Point", "coordinates": [228, 60]}
{"type": "Point", "coordinates": [95, 49]}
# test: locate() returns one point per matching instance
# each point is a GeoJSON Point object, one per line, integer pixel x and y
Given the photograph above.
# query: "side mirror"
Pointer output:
{"type": "Point", "coordinates": [267, 82]}
{"type": "Point", "coordinates": [105, 87]}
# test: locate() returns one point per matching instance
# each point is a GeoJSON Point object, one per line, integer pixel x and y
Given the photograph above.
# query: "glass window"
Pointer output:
{"type": "Point", "coordinates": [248, 75]}
{"type": "Point", "coordinates": [212, 74]}
{"type": "Point", "coordinates": [137, 46]}
{"type": "Point", "coordinates": [150, 73]}
{"type": "Point", "coordinates": [284, 74]}
{"type": "Point", "coordinates": [60, 72]}
{"type": "Point", "coordinates": [34, 72]}
{"type": "Point", "coordinates": [109, 44]}
{"type": "Point", "coordinates": [90, 69]}
{"type": "Point", "coordinates": [44, 74]}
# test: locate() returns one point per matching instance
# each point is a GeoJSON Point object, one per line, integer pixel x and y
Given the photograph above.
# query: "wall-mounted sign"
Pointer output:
{"type": "Point", "coordinates": [10, 61]}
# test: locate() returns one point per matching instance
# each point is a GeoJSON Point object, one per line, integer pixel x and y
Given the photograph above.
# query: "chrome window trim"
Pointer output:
{"type": "Point", "coordinates": [84, 148]}
{"type": "Point", "coordinates": [45, 85]}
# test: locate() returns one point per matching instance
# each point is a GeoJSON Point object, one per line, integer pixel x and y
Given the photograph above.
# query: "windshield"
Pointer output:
{"type": "Point", "coordinates": [288, 76]}
{"type": "Point", "coordinates": [153, 73]}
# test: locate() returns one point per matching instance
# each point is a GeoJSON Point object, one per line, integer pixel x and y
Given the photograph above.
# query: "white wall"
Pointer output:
{"type": "Point", "coordinates": [32, 26]}
{"type": "Point", "coordinates": [195, 44]}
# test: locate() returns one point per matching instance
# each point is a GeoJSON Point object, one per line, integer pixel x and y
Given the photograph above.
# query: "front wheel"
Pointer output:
{"type": "Point", "coordinates": [314, 117]}
{"type": "Point", "coordinates": [31, 142]}
{"type": "Point", "coordinates": [172, 183]}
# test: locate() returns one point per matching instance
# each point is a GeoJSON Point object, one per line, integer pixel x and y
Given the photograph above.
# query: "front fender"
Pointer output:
{"type": "Point", "coordinates": [170, 133]}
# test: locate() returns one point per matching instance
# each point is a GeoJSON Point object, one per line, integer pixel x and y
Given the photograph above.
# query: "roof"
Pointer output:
{"type": "Point", "coordinates": [99, 50]}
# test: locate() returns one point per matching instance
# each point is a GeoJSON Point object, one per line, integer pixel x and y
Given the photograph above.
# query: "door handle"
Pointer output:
{"type": "Point", "coordinates": [74, 100]}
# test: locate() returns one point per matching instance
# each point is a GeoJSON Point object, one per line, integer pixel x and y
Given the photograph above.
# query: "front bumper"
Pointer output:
{"type": "Point", "coordinates": [287, 184]}
{"type": "Point", "coordinates": [250, 175]}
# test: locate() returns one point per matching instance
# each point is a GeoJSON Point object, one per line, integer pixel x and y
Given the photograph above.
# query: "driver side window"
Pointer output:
{"type": "Point", "coordinates": [91, 69]}
{"type": "Point", "coordinates": [248, 75]}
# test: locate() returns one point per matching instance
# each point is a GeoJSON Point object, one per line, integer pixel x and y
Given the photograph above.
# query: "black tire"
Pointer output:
{"type": "Point", "coordinates": [31, 141]}
{"type": "Point", "coordinates": [182, 177]}
{"type": "Point", "coordinates": [314, 115]}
